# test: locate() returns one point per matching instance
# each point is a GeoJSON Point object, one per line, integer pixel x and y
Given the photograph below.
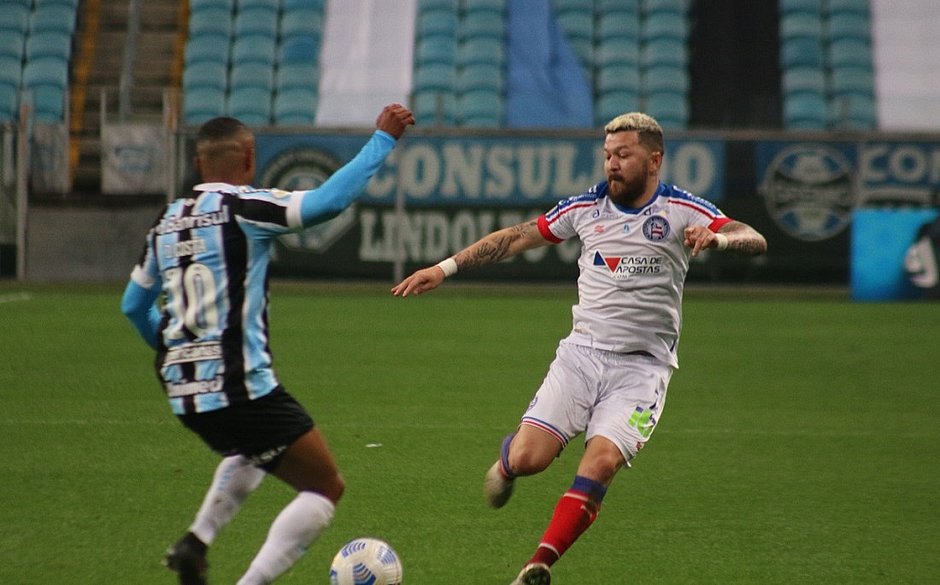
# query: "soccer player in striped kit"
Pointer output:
{"type": "Point", "coordinates": [610, 374]}
{"type": "Point", "coordinates": [207, 256]}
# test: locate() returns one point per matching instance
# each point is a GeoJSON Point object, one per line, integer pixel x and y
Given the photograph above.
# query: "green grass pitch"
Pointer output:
{"type": "Point", "coordinates": [800, 441]}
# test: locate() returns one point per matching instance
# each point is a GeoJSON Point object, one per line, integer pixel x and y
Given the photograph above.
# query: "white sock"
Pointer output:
{"type": "Point", "coordinates": [233, 482]}
{"type": "Point", "coordinates": [293, 531]}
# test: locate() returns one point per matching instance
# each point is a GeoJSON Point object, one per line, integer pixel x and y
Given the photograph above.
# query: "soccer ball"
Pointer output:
{"type": "Point", "coordinates": [366, 561]}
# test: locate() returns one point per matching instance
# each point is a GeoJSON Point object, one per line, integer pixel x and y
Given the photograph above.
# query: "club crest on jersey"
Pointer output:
{"type": "Point", "coordinates": [656, 228]}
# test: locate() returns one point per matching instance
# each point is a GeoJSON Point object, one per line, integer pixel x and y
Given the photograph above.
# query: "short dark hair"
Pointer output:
{"type": "Point", "coordinates": [221, 128]}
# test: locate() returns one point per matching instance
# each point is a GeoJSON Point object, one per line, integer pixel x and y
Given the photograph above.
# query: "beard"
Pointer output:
{"type": "Point", "coordinates": [626, 191]}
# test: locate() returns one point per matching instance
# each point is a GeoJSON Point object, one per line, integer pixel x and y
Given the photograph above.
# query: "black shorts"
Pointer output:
{"type": "Point", "coordinates": [260, 430]}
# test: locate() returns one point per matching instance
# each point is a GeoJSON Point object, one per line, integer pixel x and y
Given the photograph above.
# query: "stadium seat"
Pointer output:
{"type": "Point", "coordinates": [298, 50]}
{"type": "Point", "coordinates": [800, 24]}
{"type": "Point", "coordinates": [664, 52]}
{"type": "Point", "coordinates": [255, 21]}
{"type": "Point", "coordinates": [482, 24]}
{"type": "Point", "coordinates": [665, 25]}
{"type": "Point", "coordinates": [213, 74]}
{"type": "Point", "coordinates": [651, 7]}
{"type": "Point", "coordinates": [855, 112]}
{"type": "Point", "coordinates": [9, 103]}
{"type": "Point", "coordinates": [618, 78]}
{"type": "Point", "coordinates": [610, 105]}
{"type": "Point", "coordinates": [848, 25]}
{"type": "Point", "coordinates": [203, 103]}
{"type": "Point", "coordinates": [480, 108]}
{"type": "Point", "coordinates": [436, 49]}
{"type": "Point", "coordinates": [472, 6]}
{"type": "Point", "coordinates": [617, 51]}
{"type": "Point", "coordinates": [55, 18]}
{"type": "Point", "coordinates": [11, 71]}
{"type": "Point", "coordinates": [573, 6]}
{"type": "Point", "coordinates": [481, 50]}
{"type": "Point", "coordinates": [666, 78]}
{"type": "Point", "coordinates": [803, 80]}
{"type": "Point", "coordinates": [289, 5]}
{"type": "Point", "coordinates": [576, 24]}
{"type": "Point", "coordinates": [860, 7]}
{"type": "Point", "coordinates": [671, 109]}
{"type": "Point", "coordinates": [805, 112]}
{"type": "Point", "coordinates": [801, 52]}
{"type": "Point", "coordinates": [244, 74]}
{"type": "Point", "coordinates": [195, 5]}
{"type": "Point", "coordinates": [479, 77]}
{"type": "Point", "coordinates": [424, 5]}
{"type": "Point", "coordinates": [302, 75]}
{"type": "Point", "coordinates": [46, 71]}
{"type": "Point", "coordinates": [850, 52]}
{"type": "Point", "coordinates": [852, 81]}
{"type": "Point", "coordinates": [434, 108]}
{"type": "Point", "coordinates": [48, 103]}
{"type": "Point", "coordinates": [49, 44]}
{"type": "Point", "coordinates": [212, 20]}
{"type": "Point", "coordinates": [14, 17]}
{"type": "Point", "coordinates": [608, 6]}
{"type": "Point", "coordinates": [435, 77]}
{"type": "Point", "coordinates": [437, 23]}
{"type": "Point", "coordinates": [261, 5]}
{"type": "Point", "coordinates": [800, 6]}
{"type": "Point", "coordinates": [253, 49]}
{"type": "Point", "coordinates": [207, 47]}
{"type": "Point", "coordinates": [301, 22]}
{"type": "Point", "coordinates": [611, 26]}
{"type": "Point", "coordinates": [251, 105]}
{"type": "Point", "coordinates": [295, 107]}
{"type": "Point", "coordinates": [12, 45]}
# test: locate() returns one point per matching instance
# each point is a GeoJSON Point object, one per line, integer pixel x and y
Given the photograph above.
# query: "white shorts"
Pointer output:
{"type": "Point", "coordinates": [600, 393]}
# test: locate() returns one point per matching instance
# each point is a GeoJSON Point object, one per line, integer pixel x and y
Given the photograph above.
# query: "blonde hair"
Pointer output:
{"type": "Point", "coordinates": [649, 131]}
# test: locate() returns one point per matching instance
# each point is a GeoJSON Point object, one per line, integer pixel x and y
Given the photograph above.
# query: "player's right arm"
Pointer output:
{"type": "Point", "coordinates": [489, 249]}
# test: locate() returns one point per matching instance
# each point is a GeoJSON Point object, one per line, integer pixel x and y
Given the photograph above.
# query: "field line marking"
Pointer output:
{"type": "Point", "coordinates": [14, 297]}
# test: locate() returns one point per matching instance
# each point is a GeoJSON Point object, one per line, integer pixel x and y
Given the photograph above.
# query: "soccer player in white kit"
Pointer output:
{"type": "Point", "coordinates": [610, 375]}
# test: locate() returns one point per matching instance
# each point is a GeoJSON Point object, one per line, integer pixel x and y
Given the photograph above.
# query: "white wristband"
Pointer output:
{"type": "Point", "coordinates": [449, 267]}
{"type": "Point", "coordinates": [722, 242]}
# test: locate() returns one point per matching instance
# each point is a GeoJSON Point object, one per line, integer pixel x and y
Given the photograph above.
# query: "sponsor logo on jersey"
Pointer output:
{"type": "Point", "coordinates": [169, 225]}
{"type": "Point", "coordinates": [193, 353]}
{"type": "Point", "coordinates": [185, 248]}
{"type": "Point", "coordinates": [656, 228]}
{"type": "Point", "coordinates": [179, 389]}
{"type": "Point", "coordinates": [809, 192]}
{"type": "Point", "coordinates": [623, 267]}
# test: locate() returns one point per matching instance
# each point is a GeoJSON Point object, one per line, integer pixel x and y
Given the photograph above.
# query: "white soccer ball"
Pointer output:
{"type": "Point", "coordinates": [366, 561]}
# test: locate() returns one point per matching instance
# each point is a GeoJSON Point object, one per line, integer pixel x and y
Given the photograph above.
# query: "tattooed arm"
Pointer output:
{"type": "Point", "coordinates": [489, 249]}
{"type": "Point", "coordinates": [738, 237]}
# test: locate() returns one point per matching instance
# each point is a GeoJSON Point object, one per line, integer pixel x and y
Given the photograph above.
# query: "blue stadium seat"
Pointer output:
{"type": "Point", "coordinates": [618, 27]}
{"type": "Point", "coordinates": [304, 23]}
{"type": "Point", "coordinates": [46, 71]}
{"type": "Point", "coordinates": [258, 75]}
{"type": "Point", "coordinates": [801, 52]}
{"type": "Point", "coordinates": [848, 25]}
{"type": "Point", "coordinates": [213, 74]}
{"type": "Point", "coordinates": [573, 6]}
{"type": "Point", "coordinates": [435, 77]}
{"type": "Point", "coordinates": [472, 6]}
{"type": "Point", "coordinates": [253, 49]}
{"type": "Point", "coordinates": [608, 6]}
{"type": "Point", "coordinates": [49, 44]}
{"type": "Point", "coordinates": [433, 108]}
{"type": "Point", "coordinates": [289, 5]}
{"type": "Point", "coordinates": [436, 49]}
{"type": "Point", "coordinates": [483, 109]}
{"type": "Point", "coordinates": [251, 105]}
{"type": "Point", "coordinates": [216, 21]}
{"type": "Point", "coordinates": [664, 52]}
{"type": "Point", "coordinates": [665, 25]}
{"type": "Point", "coordinates": [671, 109]}
{"type": "Point", "coordinates": [295, 107]}
{"type": "Point", "coordinates": [479, 77]}
{"type": "Point", "coordinates": [481, 50]}
{"type": "Point", "coordinates": [425, 5]}
{"type": "Point", "coordinates": [617, 51]}
{"type": "Point", "coordinates": [437, 23]}
{"type": "Point", "coordinates": [48, 103]}
{"type": "Point", "coordinates": [207, 47]}
{"type": "Point", "coordinates": [651, 7]}
{"type": "Point", "coordinates": [576, 24]}
{"type": "Point", "coordinates": [800, 24]}
{"type": "Point", "coordinates": [14, 17]}
{"type": "Point", "coordinates": [800, 6]}
{"type": "Point", "coordinates": [12, 44]}
{"type": "Point", "coordinates": [857, 112]}
{"type": "Point", "coordinates": [203, 103]}
{"type": "Point", "coordinates": [296, 76]}
{"type": "Point", "coordinates": [9, 103]}
{"type": "Point", "coordinates": [860, 7]}
{"type": "Point", "coordinates": [54, 18]}
{"type": "Point", "coordinates": [264, 5]}
{"type": "Point", "coordinates": [618, 78]}
{"type": "Point", "coordinates": [201, 4]}
{"type": "Point", "coordinates": [255, 21]}
{"type": "Point", "coordinates": [666, 78]}
{"type": "Point", "coordinates": [852, 81]}
{"type": "Point", "coordinates": [850, 52]}
{"type": "Point", "coordinates": [610, 105]}
{"type": "Point", "coordinates": [482, 24]}
{"type": "Point", "coordinates": [805, 112]}
{"type": "Point", "coordinates": [803, 80]}
{"type": "Point", "coordinates": [298, 50]}
{"type": "Point", "coordinates": [11, 71]}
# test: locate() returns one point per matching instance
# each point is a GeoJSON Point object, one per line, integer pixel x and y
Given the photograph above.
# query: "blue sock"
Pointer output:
{"type": "Point", "coordinates": [595, 490]}
{"type": "Point", "coordinates": [504, 455]}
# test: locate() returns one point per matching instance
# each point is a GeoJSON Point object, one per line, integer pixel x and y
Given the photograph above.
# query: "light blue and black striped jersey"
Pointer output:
{"type": "Point", "coordinates": [208, 255]}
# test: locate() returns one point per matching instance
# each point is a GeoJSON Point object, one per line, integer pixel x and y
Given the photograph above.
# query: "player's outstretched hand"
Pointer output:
{"type": "Point", "coordinates": [420, 282]}
{"type": "Point", "coordinates": [699, 238]}
{"type": "Point", "coordinates": [394, 118]}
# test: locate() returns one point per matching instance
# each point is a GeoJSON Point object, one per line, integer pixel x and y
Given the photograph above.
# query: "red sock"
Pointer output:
{"type": "Point", "coordinates": [574, 513]}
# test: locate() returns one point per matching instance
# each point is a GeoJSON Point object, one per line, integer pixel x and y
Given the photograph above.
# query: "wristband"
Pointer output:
{"type": "Point", "coordinates": [722, 242]}
{"type": "Point", "coordinates": [449, 267]}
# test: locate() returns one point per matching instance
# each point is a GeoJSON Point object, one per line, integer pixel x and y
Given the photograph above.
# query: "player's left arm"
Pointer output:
{"type": "Point", "coordinates": [139, 305]}
{"type": "Point", "coordinates": [734, 235]}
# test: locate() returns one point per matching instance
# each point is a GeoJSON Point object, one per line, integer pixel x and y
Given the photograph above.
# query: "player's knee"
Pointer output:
{"type": "Point", "coordinates": [333, 488]}
{"type": "Point", "coordinates": [526, 461]}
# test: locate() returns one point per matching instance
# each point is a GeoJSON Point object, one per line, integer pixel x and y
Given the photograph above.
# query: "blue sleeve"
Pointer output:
{"type": "Point", "coordinates": [139, 305]}
{"type": "Point", "coordinates": [345, 185]}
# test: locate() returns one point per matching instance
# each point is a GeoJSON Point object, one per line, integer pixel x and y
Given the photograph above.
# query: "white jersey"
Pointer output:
{"type": "Point", "coordinates": [632, 267]}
